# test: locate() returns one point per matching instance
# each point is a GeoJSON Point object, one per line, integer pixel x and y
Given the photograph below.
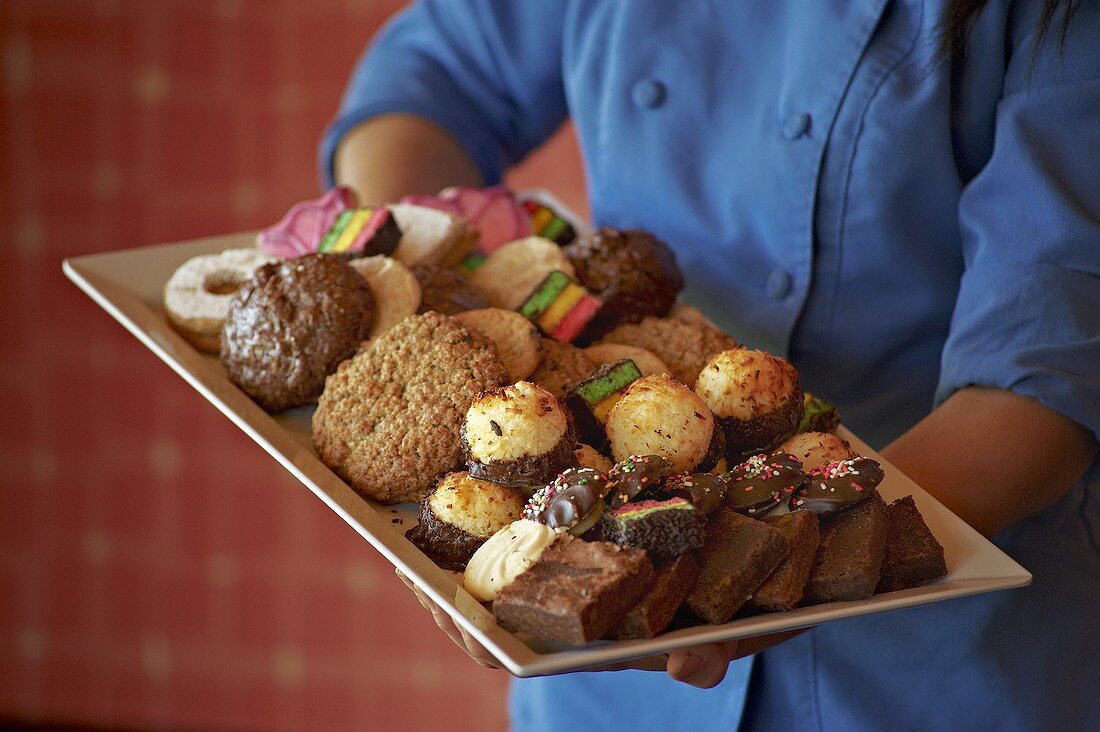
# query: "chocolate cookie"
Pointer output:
{"type": "Point", "coordinates": [573, 501]}
{"type": "Point", "coordinates": [762, 482]}
{"type": "Point", "coordinates": [684, 346]}
{"type": "Point", "coordinates": [632, 271]}
{"type": "Point", "coordinates": [635, 475]}
{"type": "Point", "coordinates": [838, 485]}
{"type": "Point", "coordinates": [291, 325]}
{"type": "Point", "coordinates": [447, 290]}
{"type": "Point", "coordinates": [388, 420]}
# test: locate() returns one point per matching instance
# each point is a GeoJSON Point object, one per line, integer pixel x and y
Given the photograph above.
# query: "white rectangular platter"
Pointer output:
{"type": "Point", "coordinates": [128, 285]}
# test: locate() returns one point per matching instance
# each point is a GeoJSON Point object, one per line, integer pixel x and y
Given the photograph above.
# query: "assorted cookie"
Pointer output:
{"type": "Point", "coordinates": [291, 325]}
{"type": "Point", "coordinates": [518, 435]}
{"type": "Point", "coordinates": [389, 419]}
{"type": "Point", "coordinates": [460, 515]}
{"type": "Point", "coordinates": [662, 476]}
{"type": "Point", "coordinates": [755, 396]}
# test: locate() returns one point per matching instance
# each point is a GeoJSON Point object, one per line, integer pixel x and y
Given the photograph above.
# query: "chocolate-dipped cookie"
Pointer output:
{"type": "Point", "coordinates": [756, 399]}
{"type": "Point", "coordinates": [635, 475]}
{"type": "Point", "coordinates": [632, 271]}
{"type": "Point", "coordinates": [665, 529]}
{"type": "Point", "coordinates": [460, 515]}
{"type": "Point", "coordinates": [291, 325]}
{"type": "Point", "coordinates": [838, 485]}
{"type": "Point", "coordinates": [518, 435]}
{"type": "Point", "coordinates": [762, 482]}
{"type": "Point", "coordinates": [704, 490]}
{"type": "Point", "coordinates": [817, 448]}
{"type": "Point", "coordinates": [574, 501]}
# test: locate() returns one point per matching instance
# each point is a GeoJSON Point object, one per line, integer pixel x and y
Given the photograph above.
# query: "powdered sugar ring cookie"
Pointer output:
{"type": "Point", "coordinates": [196, 297]}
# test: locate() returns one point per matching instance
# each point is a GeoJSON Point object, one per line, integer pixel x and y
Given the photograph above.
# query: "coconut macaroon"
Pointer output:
{"type": "Point", "coordinates": [755, 396]}
{"type": "Point", "coordinates": [589, 457]}
{"type": "Point", "coordinates": [460, 515]}
{"type": "Point", "coordinates": [658, 415]}
{"type": "Point", "coordinates": [518, 435]}
{"type": "Point", "coordinates": [815, 449]}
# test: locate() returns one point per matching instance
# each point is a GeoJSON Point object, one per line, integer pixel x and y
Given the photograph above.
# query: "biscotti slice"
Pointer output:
{"type": "Point", "coordinates": [656, 610]}
{"type": "Point", "coordinates": [850, 556]}
{"type": "Point", "coordinates": [913, 556]}
{"type": "Point", "coordinates": [739, 554]}
{"type": "Point", "coordinates": [783, 590]}
{"type": "Point", "coordinates": [576, 591]}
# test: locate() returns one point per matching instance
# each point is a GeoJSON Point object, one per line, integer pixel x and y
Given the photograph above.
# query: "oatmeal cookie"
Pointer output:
{"type": "Point", "coordinates": [388, 421]}
{"type": "Point", "coordinates": [683, 345]}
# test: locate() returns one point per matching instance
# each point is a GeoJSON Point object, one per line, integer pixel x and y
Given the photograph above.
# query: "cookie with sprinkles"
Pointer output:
{"type": "Point", "coordinates": [704, 490]}
{"type": "Point", "coordinates": [838, 485]}
{"type": "Point", "coordinates": [762, 482]}
{"type": "Point", "coordinates": [573, 501]}
{"type": "Point", "coordinates": [635, 475]}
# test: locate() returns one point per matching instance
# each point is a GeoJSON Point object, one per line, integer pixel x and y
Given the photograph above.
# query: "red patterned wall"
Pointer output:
{"type": "Point", "coordinates": [156, 567]}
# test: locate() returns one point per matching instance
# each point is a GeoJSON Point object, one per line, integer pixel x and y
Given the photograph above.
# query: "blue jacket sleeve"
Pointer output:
{"type": "Point", "coordinates": [487, 71]}
{"type": "Point", "coordinates": [1027, 316]}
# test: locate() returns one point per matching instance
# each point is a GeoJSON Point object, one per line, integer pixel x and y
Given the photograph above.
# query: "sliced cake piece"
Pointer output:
{"type": "Point", "coordinates": [913, 556]}
{"type": "Point", "coordinates": [738, 555]}
{"type": "Point", "coordinates": [784, 588]}
{"type": "Point", "coordinates": [576, 591]}
{"type": "Point", "coordinates": [652, 615]}
{"type": "Point", "coordinates": [850, 556]}
{"type": "Point", "coordinates": [665, 529]}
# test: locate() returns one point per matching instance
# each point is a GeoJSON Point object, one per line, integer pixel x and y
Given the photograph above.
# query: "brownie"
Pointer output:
{"type": "Point", "coordinates": [652, 615]}
{"type": "Point", "coordinates": [784, 588]}
{"type": "Point", "coordinates": [576, 591]}
{"type": "Point", "coordinates": [913, 556]}
{"type": "Point", "coordinates": [738, 555]}
{"type": "Point", "coordinates": [850, 556]}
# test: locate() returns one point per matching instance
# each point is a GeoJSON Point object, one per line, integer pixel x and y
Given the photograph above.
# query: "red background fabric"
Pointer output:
{"type": "Point", "coordinates": [156, 567]}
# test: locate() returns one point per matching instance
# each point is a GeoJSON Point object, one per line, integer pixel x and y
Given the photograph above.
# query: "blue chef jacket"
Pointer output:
{"type": "Point", "coordinates": [898, 225]}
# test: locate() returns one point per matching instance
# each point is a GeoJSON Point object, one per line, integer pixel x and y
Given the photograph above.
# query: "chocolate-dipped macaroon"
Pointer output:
{"type": "Point", "coordinates": [460, 515]}
{"type": "Point", "coordinates": [760, 483]}
{"type": "Point", "coordinates": [632, 271]}
{"type": "Point", "coordinates": [755, 397]}
{"type": "Point", "coordinates": [836, 486]}
{"type": "Point", "coordinates": [518, 435]}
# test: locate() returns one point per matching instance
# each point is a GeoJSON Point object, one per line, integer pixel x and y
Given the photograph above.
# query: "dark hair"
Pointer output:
{"type": "Point", "coordinates": [959, 16]}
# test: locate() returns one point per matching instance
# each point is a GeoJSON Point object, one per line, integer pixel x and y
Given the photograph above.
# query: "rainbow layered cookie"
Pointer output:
{"type": "Point", "coordinates": [362, 231]}
{"type": "Point", "coordinates": [665, 529]}
{"type": "Point", "coordinates": [548, 224]}
{"type": "Point", "coordinates": [593, 398]}
{"type": "Point", "coordinates": [560, 307]}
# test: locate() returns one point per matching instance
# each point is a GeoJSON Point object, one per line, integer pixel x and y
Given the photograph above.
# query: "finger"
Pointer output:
{"type": "Point", "coordinates": [702, 666]}
{"type": "Point", "coordinates": [478, 652]}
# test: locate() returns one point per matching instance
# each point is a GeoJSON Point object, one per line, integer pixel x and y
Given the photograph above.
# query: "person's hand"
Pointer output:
{"type": "Point", "coordinates": [703, 666]}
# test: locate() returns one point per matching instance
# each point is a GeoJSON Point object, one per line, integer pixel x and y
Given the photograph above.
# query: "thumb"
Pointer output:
{"type": "Point", "coordinates": [702, 666]}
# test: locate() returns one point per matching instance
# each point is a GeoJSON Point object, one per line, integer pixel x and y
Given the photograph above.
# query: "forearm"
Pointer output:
{"type": "Point", "coordinates": [396, 154]}
{"type": "Point", "coordinates": [994, 457]}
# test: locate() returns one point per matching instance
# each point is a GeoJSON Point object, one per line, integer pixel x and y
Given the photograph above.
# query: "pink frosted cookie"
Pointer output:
{"type": "Point", "coordinates": [494, 212]}
{"type": "Point", "coordinates": [332, 224]}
